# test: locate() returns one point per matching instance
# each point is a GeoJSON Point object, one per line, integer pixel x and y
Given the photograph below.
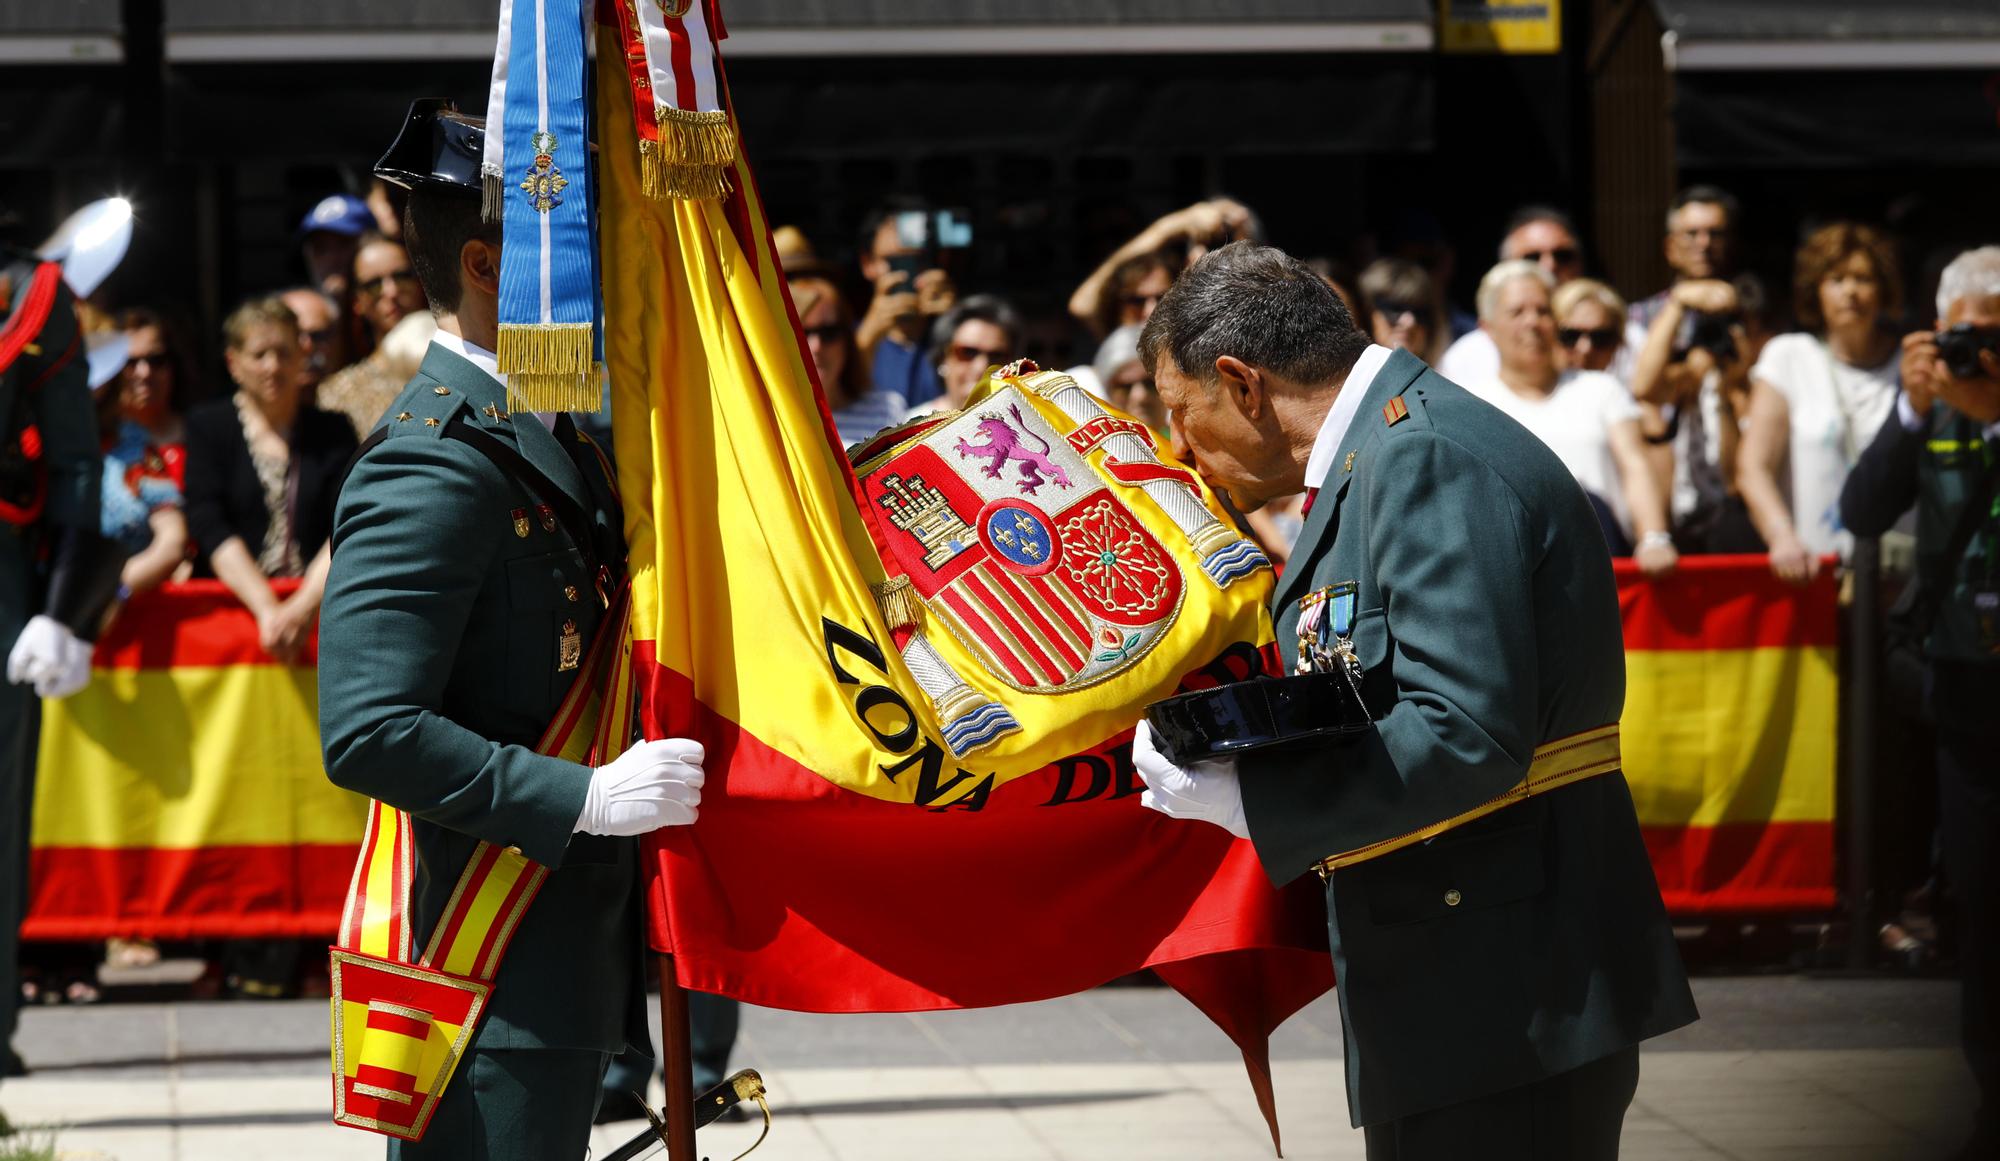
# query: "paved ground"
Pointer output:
{"type": "Point", "coordinates": [1782, 1067]}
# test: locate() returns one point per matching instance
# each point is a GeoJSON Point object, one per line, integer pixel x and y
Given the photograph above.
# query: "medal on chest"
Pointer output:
{"type": "Point", "coordinates": [1326, 634]}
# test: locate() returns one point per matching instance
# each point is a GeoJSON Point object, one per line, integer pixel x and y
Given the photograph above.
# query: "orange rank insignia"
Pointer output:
{"type": "Point", "coordinates": [1395, 411]}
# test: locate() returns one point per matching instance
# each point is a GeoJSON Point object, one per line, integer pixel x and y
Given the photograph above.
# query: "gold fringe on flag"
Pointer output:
{"type": "Point", "coordinates": [692, 158]}
{"type": "Point", "coordinates": [549, 368]}
{"type": "Point", "coordinates": [897, 598]}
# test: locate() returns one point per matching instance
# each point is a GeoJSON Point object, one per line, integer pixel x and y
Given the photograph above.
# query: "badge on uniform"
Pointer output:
{"type": "Point", "coordinates": [569, 652]}
{"type": "Point", "coordinates": [521, 523]}
{"type": "Point", "coordinates": [548, 515]}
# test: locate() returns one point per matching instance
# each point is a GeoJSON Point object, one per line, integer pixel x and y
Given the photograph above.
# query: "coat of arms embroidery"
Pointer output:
{"type": "Point", "coordinates": [1030, 555]}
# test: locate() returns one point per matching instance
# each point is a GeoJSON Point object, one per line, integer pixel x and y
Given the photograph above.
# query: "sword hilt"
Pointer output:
{"type": "Point", "coordinates": [746, 1085]}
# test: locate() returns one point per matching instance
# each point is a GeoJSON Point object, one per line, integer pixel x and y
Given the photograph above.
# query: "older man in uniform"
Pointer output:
{"type": "Point", "coordinates": [1497, 932]}
{"type": "Point", "coordinates": [471, 547]}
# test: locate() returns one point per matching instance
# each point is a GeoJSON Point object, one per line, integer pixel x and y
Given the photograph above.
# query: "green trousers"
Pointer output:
{"type": "Point", "coordinates": [529, 1104]}
{"type": "Point", "coordinates": [20, 731]}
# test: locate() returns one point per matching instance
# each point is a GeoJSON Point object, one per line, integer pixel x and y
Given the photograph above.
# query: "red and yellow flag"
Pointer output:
{"type": "Point", "coordinates": [181, 795]}
{"type": "Point", "coordinates": [1731, 721]}
{"type": "Point", "coordinates": [916, 684]}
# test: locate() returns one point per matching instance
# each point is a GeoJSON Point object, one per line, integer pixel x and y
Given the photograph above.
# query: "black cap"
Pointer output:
{"type": "Point", "coordinates": [439, 149]}
{"type": "Point", "coordinates": [1256, 714]}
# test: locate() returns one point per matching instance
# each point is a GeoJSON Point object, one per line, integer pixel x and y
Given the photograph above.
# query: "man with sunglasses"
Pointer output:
{"type": "Point", "coordinates": [1543, 235]}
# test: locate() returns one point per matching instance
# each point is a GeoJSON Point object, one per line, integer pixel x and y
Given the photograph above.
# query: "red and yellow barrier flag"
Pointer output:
{"type": "Point", "coordinates": [1731, 711]}
{"type": "Point", "coordinates": [181, 794]}
{"type": "Point", "coordinates": [916, 683]}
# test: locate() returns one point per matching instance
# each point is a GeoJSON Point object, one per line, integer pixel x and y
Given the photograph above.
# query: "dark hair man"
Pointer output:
{"type": "Point", "coordinates": [1496, 979]}
{"type": "Point", "coordinates": [461, 597]}
{"type": "Point", "coordinates": [1938, 454]}
{"type": "Point", "coordinates": [1700, 246]}
{"type": "Point", "coordinates": [1543, 235]}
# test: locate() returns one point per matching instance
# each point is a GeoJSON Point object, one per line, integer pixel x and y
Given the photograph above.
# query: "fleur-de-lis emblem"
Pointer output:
{"type": "Point", "coordinates": [544, 183]}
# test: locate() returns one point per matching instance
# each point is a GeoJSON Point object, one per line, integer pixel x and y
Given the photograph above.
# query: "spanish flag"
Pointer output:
{"type": "Point", "coordinates": [915, 673]}
{"type": "Point", "coordinates": [1731, 719]}
{"type": "Point", "coordinates": [181, 794]}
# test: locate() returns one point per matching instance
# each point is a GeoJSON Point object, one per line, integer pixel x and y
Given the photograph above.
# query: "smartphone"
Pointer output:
{"type": "Point", "coordinates": [921, 234]}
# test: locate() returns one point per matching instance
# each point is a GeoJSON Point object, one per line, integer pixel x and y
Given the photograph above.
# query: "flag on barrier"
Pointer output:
{"type": "Point", "coordinates": [1732, 699]}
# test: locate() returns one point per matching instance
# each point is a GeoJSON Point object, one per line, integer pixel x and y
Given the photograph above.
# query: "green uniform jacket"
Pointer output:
{"type": "Point", "coordinates": [1530, 941]}
{"type": "Point", "coordinates": [438, 672]}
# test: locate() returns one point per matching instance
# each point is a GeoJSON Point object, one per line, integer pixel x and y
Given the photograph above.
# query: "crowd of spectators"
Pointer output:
{"type": "Point", "coordinates": [1693, 418]}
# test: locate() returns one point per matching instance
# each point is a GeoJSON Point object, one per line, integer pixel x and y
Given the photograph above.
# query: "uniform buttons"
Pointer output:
{"type": "Point", "coordinates": [570, 592]}
{"type": "Point", "coordinates": [1452, 897]}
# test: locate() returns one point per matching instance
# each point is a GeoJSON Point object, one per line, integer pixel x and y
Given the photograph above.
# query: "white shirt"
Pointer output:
{"type": "Point", "coordinates": [486, 361]}
{"type": "Point", "coordinates": [1575, 421]}
{"type": "Point", "coordinates": [1835, 411]}
{"type": "Point", "coordinates": [1340, 416]}
{"type": "Point", "coordinates": [1471, 358]}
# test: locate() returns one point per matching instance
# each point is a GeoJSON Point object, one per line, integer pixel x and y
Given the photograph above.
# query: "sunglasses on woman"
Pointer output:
{"type": "Point", "coordinates": [1394, 309]}
{"type": "Point", "coordinates": [1601, 337]}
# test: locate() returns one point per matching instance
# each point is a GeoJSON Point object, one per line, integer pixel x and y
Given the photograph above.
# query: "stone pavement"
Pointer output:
{"type": "Point", "coordinates": [1781, 1067]}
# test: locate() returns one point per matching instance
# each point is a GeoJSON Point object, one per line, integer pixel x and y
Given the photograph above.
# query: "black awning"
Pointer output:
{"type": "Point", "coordinates": [1345, 105]}
{"type": "Point", "coordinates": [1766, 35]}
{"type": "Point", "coordinates": [1846, 119]}
{"type": "Point", "coordinates": [207, 31]}
{"type": "Point", "coordinates": [1813, 84]}
{"type": "Point", "coordinates": [39, 32]}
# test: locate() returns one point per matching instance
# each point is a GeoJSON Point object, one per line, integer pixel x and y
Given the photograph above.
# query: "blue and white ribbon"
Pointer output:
{"type": "Point", "coordinates": [548, 264]}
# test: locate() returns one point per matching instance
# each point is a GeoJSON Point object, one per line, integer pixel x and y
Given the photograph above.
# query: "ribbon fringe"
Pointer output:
{"type": "Point", "coordinates": [549, 367]}
{"type": "Point", "coordinates": [530, 392]}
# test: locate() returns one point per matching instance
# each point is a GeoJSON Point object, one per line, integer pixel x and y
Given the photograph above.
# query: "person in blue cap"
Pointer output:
{"type": "Point", "coordinates": [328, 236]}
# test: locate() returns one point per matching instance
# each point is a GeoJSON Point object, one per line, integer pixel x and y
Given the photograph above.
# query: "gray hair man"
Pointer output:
{"type": "Point", "coordinates": [1939, 455]}
{"type": "Point", "coordinates": [1496, 979]}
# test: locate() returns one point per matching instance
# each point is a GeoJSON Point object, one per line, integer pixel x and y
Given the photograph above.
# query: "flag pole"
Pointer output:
{"type": "Point", "coordinates": [677, 1063]}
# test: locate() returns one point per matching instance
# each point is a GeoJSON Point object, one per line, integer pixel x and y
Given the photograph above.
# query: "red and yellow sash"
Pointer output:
{"type": "Point", "coordinates": [400, 1026]}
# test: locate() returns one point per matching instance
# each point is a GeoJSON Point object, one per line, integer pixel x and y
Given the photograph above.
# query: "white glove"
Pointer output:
{"type": "Point", "coordinates": [1205, 791]}
{"type": "Point", "coordinates": [43, 656]}
{"type": "Point", "coordinates": [651, 785]}
{"type": "Point", "coordinates": [74, 672]}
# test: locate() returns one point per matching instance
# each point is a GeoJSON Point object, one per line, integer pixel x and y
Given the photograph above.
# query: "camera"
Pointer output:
{"type": "Point", "coordinates": [1708, 332]}
{"type": "Point", "coordinates": [1959, 348]}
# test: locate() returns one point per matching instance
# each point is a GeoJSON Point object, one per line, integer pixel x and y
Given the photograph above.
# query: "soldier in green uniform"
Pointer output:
{"type": "Point", "coordinates": [54, 579]}
{"type": "Point", "coordinates": [464, 589]}
{"type": "Point", "coordinates": [1939, 452]}
{"type": "Point", "coordinates": [1495, 979]}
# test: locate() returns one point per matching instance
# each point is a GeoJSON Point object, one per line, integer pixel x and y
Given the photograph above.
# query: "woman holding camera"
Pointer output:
{"type": "Point", "coordinates": [1818, 397]}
